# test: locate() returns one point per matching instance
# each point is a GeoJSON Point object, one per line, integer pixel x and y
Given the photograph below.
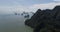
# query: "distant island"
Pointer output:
{"type": "Point", "coordinates": [47, 20]}
{"type": "Point", "coordinates": [17, 13]}
{"type": "Point", "coordinates": [25, 14]}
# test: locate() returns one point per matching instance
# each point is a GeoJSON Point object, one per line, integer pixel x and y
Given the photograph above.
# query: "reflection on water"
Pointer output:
{"type": "Point", "coordinates": [13, 23]}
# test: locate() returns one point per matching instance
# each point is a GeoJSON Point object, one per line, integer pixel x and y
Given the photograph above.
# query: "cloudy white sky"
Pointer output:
{"type": "Point", "coordinates": [10, 6]}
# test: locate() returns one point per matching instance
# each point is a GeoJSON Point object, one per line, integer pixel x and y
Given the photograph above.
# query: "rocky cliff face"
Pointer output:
{"type": "Point", "coordinates": [45, 19]}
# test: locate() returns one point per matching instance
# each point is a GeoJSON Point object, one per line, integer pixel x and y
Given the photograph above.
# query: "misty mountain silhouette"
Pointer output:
{"type": "Point", "coordinates": [47, 20]}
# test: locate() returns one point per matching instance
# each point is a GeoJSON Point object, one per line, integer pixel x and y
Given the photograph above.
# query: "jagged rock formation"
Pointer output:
{"type": "Point", "coordinates": [48, 20]}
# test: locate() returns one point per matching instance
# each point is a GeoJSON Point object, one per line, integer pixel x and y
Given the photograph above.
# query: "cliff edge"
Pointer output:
{"type": "Point", "coordinates": [49, 19]}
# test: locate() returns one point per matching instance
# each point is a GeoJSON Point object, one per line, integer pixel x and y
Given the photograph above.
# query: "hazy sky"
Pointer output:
{"type": "Point", "coordinates": [11, 6]}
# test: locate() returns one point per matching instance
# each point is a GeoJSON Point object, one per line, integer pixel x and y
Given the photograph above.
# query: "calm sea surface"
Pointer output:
{"type": "Point", "coordinates": [13, 23]}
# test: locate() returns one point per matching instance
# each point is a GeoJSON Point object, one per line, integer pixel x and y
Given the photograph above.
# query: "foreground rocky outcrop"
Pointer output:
{"type": "Point", "coordinates": [45, 20]}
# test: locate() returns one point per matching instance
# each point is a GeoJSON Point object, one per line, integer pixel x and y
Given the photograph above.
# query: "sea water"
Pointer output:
{"type": "Point", "coordinates": [13, 23]}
